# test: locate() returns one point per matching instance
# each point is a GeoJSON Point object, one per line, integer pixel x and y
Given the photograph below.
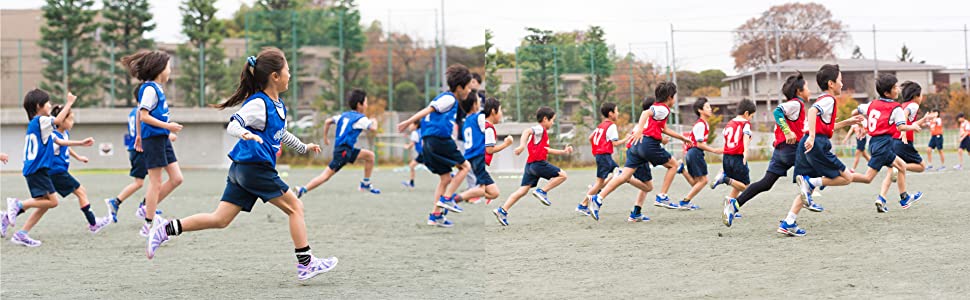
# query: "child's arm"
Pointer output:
{"type": "Point", "coordinates": [704, 146]}
{"type": "Point", "coordinates": [326, 130]}
{"type": "Point", "coordinates": [417, 116]}
{"type": "Point", "coordinates": [495, 149]}
{"type": "Point", "coordinates": [406, 147]}
{"type": "Point", "coordinates": [747, 144]}
{"type": "Point", "coordinates": [779, 114]}
{"type": "Point", "coordinates": [80, 158]}
{"type": "Point", "coordinates": [526, 135]}
{"type": "Point", "coordinates": [810, 128]}
{"type": "Point", "coordinates": [676, 135]}
{"type": "Point", "coordinates": [848, 135]}
{"type": "Point", "coordinates": [847, 122]}
{"type": "Point", "coordinates": [146, 117]}
{"type": "Point", "coordinates": [638, 130]}
{"type": "Point", "coordinates": [4, 157]}
{"type": "Point", "coordinates": [567, 151]}
{"type": "Point", "coordinates": [71, 143]}
{"type": "Point", "coordinates": [59, 118]}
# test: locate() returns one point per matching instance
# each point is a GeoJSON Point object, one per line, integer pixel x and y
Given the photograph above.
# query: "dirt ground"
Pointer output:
{"type": "Point", "coordinates": [386, 250]}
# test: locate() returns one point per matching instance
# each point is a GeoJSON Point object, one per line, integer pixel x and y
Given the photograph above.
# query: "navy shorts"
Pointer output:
{"type": "Point", "coordinates": [40, 184]}
{"type": "Point", "coordinates": [649, 150]}
{"type": "Point", "coordinates": [248, 181]}
{"type": "Point", "coordinates": [881, 152]}
{"type": "Point", "coordinates": [440, 154]}
{"type": "Point", "coordinates": [694, 162]}
{"type": "Point", "coordinates": [642, 173]}
{"type": "Point", "coordinates": [907, 152]}
{"type": "Point", "coordinates": [137, 160]}
{"type": "Point", "coordinates": [538, 169]}
{"type": "Point", "coordinates": [936, 142]}
{"type": "Point", "coordinates": [782, 159]}
{"type": "Point", "coordinates": [419, 159]}
{"type": "Point", "coordinates": [604, 165]}
{"type": "Point", "coordinates": [343, 155]}
{"type": "Point", "coordinates": [965, 143]}
{"type": "Point", "coordinates": [735, 168]}
{"type": "Point", "coordinates": [158, 152]}
{"type": "Point", "coordinates": [820, 162]}
{"type": "Point", "coordinates": [861, 144]}
{"type": "Point", "coordinates": [64, 183]}
{"type": "Point", "coordinates": [478, 168]}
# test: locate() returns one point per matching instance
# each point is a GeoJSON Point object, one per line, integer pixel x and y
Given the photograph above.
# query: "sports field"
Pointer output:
{"type": "Point", "coordinates": [387, 251]}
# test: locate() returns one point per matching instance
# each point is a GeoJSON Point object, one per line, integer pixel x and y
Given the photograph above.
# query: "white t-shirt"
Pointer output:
{"type": "Point", "coordinates": [659, 112]}
{"type": "Point", "coordinates": [149, 99]}
{"type": "Point", "coordinates": [825, 107]}
{"type": "Point", "coordinates": [490, 137]}
{"type": "Point", "coordinates": [443, 103]}
{"type": "Point", "coordinates": [612, 134]}
{"type": "Point", "coordinates": [698, 131]}
{"type": "Point", "coordinates": [791, 109]}
{"type": "Point", "coordinates": [415, 136]}
{"type": "Point", "coordinates": [537, 134]}
{"type": "Point", "coordinates": [362, 123]}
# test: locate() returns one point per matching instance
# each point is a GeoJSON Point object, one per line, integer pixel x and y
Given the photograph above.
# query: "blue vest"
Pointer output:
{"type": "Point", "coordinates": [38, 153]}
{"type": "Point", "coordinates": [160, 111]}
{"type": "Point", "coordinates": [418, 144]}
{"type": "Point", "coordinates": [440, 123]}
{"type": "Point", "coordinates": [62, 157]}
{"type": "Point", "coordinates": [130, 136]}
{"type": "Point", "coordinates": [474, 137]}
{"type": "Point", "coordinates": [252, 152]}
{"type": "Point", "coordinates": [346, 133]}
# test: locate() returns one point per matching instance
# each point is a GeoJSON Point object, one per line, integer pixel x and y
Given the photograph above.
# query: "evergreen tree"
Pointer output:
{"type": "Point", "coordinates": [69, 30]}
{"type": "Point", "coordinates": [122, 33]}
{"type": "Point", "coordinates": [598, 87]}
{"type": "Point", "coordinates": [205, 38]}
{"type": "Point", "coordinates": [347, 18]}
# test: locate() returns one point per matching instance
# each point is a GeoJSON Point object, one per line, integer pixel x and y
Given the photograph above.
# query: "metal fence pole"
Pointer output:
{"type": "Point", "coordinates": [673, 62]}
{"type": "Point", "coordinates": [64, 63]}
{"type": "Point", "coordinates": [390, 69]}
{"type": "Point", "coordinates": [633, 110]}
{"type": "Point", "coordinates": [592, 67]}
{"type": "Point", "coordinates": [340, 25]}
{"type": "Point", "coordinates": [555, 80]}
{"type": "Point", "coordinates": [295, 66]}
{"type": "Point", "coordinates": [20, 67]}
{"type": "Point", "coordinates": [777, 63]}
{"type": "Point", "coordinates": [875, 60]}
{"type": "Point", "coordinates": [427, 87]}
{"type": "Point", "coordinates": [111, 62]}
{"type": "Point", "coordinates": [201, 74]}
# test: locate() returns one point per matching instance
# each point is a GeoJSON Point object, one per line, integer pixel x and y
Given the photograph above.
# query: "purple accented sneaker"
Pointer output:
{"type": "Point", "coordinates": [5, 224]}
{"type": "Point", "coordinates": [144, 230]}
{"type": "Point", "coordinates": [13, 207]}
{"type": "Point", "coordinates": [140, 213]}
{"type": "Point", "coordinates": [21, 238]}
{"type": "Point", "coordinates": [156, 236]}
{"type": "Point", "coordinates": [316, 267]}
{"type": "Point", "coordinates": [99, 224]}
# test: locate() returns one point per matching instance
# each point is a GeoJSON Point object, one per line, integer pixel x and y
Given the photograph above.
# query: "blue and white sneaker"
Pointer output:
{"type": "Point", "coordinates": [637, 218]}
{"type": "Point", "coordinates": [408, 185]}
{"type": "Point", "coordinates": [814, 207]}
{"type": "Point", "coordinates": [594, 207]}
{"type": "Point", "coordinates": [790, 229]}
{"type": "Point", "coordinates": [730, 211]}
{"type": "Point", "coordinates": [368, 187]}
{"type": "Point", "coordinates": [719, 180]}
{"type": "Point", "coordinates": [805, 189]}
{"type": "Point", "coordinates": [680, 168]}
{"type": "Point", "coordinates": [686, 205]}
{"type": "Point", "coordinates": [663, 202]}
{"type": "Point", "coordinates": [582, 209]}
{"type": "Point", "coordinates": [112, 204]}
{"type": "Point", "coordinates": [542, 196]}
{"type": "Point", "coordinates": [439, 221]}
{"type": "Point", "coordinates": [449, 204]}
{"type": "Point", "coordinates": [9, 217]}
{"type": "Point", "coordinates": [502, 216]}
{"type": "Point", "coordinates": [881, 206]}
{"type": "Point", "coordinates": [300, 191]}
{"type": "Point", "coordinates": [910, 199]}
{"type": "Point", "coordinates": [737, 215]}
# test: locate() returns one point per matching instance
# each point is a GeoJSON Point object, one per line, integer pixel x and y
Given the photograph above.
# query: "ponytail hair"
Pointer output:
{"type": "Point", "coordinates": [145, 65]}
{"type": "Point", "coordinates": [255, 75]}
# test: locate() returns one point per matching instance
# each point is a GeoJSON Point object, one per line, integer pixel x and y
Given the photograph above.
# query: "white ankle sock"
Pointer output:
{"type": "Point", "coordinates": [817, 181]}
{"type": "Point", "coordinates": [790, 219]}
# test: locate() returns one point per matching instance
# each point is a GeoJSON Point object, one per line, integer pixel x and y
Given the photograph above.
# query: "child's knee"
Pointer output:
{"type": "Point", "coordinates": [562, 174]}
{"type": "Point", "coordinates": [52, 200]}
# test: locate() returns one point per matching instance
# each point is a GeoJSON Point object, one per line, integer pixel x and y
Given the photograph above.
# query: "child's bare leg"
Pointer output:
{"type": "Point", "coordinates": [412, 165]}
{"type": "Point", "coordinates": [491, 191]}
{"type": "Point", "coordinates": [463, 169]}
{"type": "Point", "coordinates": [82, 196]}
{"type": "Point", "coordinates": [593, 189]}
{"type": "Point", "coordinates": [737, 185]}
{"type": "Point", "coordinates": [320, 179]}
{"type": "Point", "coordinates": [696, 186]}
{"type": "Point", "coordinates": [641, 197]}
{"type": "Point", "coordinates": [130, 189]}
{"type": "Point", "coordinates": [293, 208]}
{"type": "Point", "coordinates": [671, 166]}
{"type": "Point", "coordinates": [616, 182]}
{"type": "Point", "coordinates": [555, 181]}
{"type": "Point", "coordinates": [41, 205]}
{"type": "Point", "coordinates": [153, 194]}
{"type": "Point", "coordinates": [367, 158]}
{"type": "Point", "coordinates": [515, 196]}
{"type": "Point", "coordinates": [220, 218]}
{"type": "Point", "coordinates": [174, 180]}
{"type": "Point", "coordinates": [443, 181]}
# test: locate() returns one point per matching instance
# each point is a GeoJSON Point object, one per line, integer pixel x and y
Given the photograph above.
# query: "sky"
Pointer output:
{"type": "Point", "coordinates": [641, 27]}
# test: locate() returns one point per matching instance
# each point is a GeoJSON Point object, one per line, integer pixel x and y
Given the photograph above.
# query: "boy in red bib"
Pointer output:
{"type": "Point", "coordinates": [603, 139]}
{"type": "Point", "coordinates": [737, 138]}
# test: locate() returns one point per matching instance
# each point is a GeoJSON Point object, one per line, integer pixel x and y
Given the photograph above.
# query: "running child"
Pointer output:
{"type": "Point", "coordinates": [964, 139]}
{"type": "Point", "coordinates": [260, 126]}
{"type": "Point", "coordinates": [415, 142]}
{"type": "Point", "coordinates": [480, 145]}
{"type": "Point", "coordinates": [903, 143]}
{"type": "Point", "coordinates": [349, 126]}
{"type": "Point", "coordinates": [439, 151]}
{"type": "Point", "coordinates": [861, 138]}
{"type": "Point", "coordinates": [694, 163]}
{"type": "Point", "coordinates": [64, 183]}
{"type": "Point", "coordinates": [536, 139]}
{"type": "Point", "coordinates": [152, 128]}
{"type": "Point", "coordinates": [649, 150]}
{"type": "Point", "coordinates": [137, 172]}
{"type": "Point", "coordinates": [936, 141]}
{"type": "Point", "coordinates": [814, 161]}
{"type": "Point", "coordinates": [38, 156]}
{"type": "Point", "coordinates": [737, 138]}
{"type": "Point", "coordinates": [603, 139]}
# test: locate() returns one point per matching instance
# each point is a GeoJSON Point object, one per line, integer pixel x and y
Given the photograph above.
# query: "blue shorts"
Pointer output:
{"type": "Point", "coordinates": [694, 162]}
{"type": "Point", "coordinates": [936, 142]}
{"type": "Point", "coordinates": [40, 183]}
{"type": "Point", "coordinates": [820, 162]}
{"type": "Point", "coordinates": [643, 173]}
{"type": "Point", "coordinates": [538, 169]}
{"type": "Point", "coordinates": [861, 144]}
{"type": "Point", "coordinates": [419, 159]}
{"type": "Point", "coordinates": [158, 152]}
{"type": "Point", "coordinates": [782, 159]}
{"type": "Point", "coordinates": [881, 152]}
{"type": "Point", "coordinates": [343, 155]}
{"type": "Point", "coordinates": [137, 160]}
{"type": "Point", "coordinates": [64, 183]}
{"type": "Point", "coordinates": [440, 154]}
{"type": "Point", "coordinates": [907, 152]}
{"type": "Point", "coordinates": [604, 165]}
{"type": "Point", "coordinates": [965, 143]}
{"type": "Point", "coordinates": [248, 181]}
{"type": "Point", "coordinates": [735, 168]}
{"type": "Point", "coordinates": [478, 168]}
{"type": "Point", "coordinates": [649, 150]}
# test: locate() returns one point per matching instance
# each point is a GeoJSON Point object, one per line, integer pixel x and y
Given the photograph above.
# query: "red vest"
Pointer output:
{"type": "Point", "coordinates": [538, 151]}
{"type": "Point", "coordinates": [878, 116]}
{"type": "Point", "coordinates": [734, 137]}
{"type": "Point", "coordinates": [601, 144]}
{"type": "Point", "coordinates": [826, 129]}
{"type": "Point", "coordinates": [910, 135]}
{"type": "Point", "coordinates": [797, 126]}
{"type": "Point", "coordinates": [690, 134]}
{"type": "Point", "coordinates": [488, 156]}
{"type": "Point", "coordinates": [655, 127]}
